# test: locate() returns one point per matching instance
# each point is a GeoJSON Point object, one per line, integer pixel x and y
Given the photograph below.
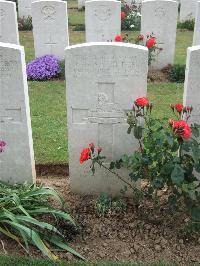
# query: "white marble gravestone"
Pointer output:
{"type": "Point", "coordinates": [160, 18]}
{"type": "Point", "coordinates": [103, 80]}
{"type": "Point", "coordinates": [8, 23]}
{"type": "Point", "coordinates": [50, 27]}
{"type": "Point", "coordinates": [24, 8]}
{"type": "Point", "coordinates": [17, 162]}
{"type": "Point", "coordinates": [102, 20]}
{"type": "Point", "coordinates": [196, 37]}
{"type": "Point", "coordinates": [81, 4]}
{"type": "Point", "coordinates": [192, 82]}
{"type": "Point", "coordinates": [188, 9]}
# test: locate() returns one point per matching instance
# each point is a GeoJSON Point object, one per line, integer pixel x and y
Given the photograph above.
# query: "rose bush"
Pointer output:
{"type": "Point", "coordinates": [130, 16]}
{"type": "Point", "coordinates": [168, 157]}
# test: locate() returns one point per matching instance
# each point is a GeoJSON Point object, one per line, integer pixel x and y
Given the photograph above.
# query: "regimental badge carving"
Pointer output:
{"type": "Point", "coordinates": [48, 12]}
{"type": "Point", "coordinates": [159, 12]}
{"type": "Point", "coordinates": [103, 13]}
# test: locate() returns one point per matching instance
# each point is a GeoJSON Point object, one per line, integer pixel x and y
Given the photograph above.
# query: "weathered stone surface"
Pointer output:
{"type": "Point", "coordinates": [17, 161]}
{"type": "Point", "coordinates": [50, 27]}
{"type": "Point", "coordinates": [188, 9]}
{"type": "Point", "coordinates": [192, 81]}
{"type": "Point", "coordinates": [24, 8]}
{"type": "Point", "coordinates": [103, 80]}
{"type": "Point", "coordinates": [102, 20]}
{"type": "Point", "coordinates": [8, 23]}
{"type": "Point", "coordinates": [196, 37]}
{"type": "Point", "coordinates": [160, 18]}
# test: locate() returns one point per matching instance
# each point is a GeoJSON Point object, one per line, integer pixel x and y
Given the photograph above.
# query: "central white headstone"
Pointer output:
{"type": "Point", "coordinates": [160, 18]}
{"type": "Point", "coordinates": [103, 80]}
{"type": "Point", "coordinates": [50, 27]}
{"type": "Point", "coordinates": [102, 20]}
{"type": "Point", "coordinates": [8, 23]}
{"type": "Point", "coordinates": [192, 81]}
{"type": "Point", "coordinates": [196, 37]}
{"type": "Point", "coordinates": [17, 162]}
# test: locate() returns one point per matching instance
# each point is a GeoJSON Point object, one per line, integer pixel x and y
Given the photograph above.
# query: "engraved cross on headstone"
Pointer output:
{"type": "Point", "coordinates": [107, 114]}
{"type": "Point", "coordinates": [50, 44]}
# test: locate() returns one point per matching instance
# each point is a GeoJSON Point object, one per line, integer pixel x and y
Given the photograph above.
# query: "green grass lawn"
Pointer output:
{"type": "Point", "coordinates": [22, 261]}
{"type": "Point", "coordinates": [47, 99]}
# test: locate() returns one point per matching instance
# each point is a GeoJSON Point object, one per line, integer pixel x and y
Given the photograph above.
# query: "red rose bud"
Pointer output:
{"type": "Point", "coordinates": [140, 37]}
{"type": "Point", "coordinates": [142, 102]}
{"type": "Point", "coordinates": [118, 38]}
{"type": "Point", "coordinates": [92, 146]}
{"type": "Point", "coordinates": [123, 15]}
{"type": "Point", "coordinates": [85, 155]}
{"type": "Point", "coordinates": [182, 129]}
{"type": "Point", "coordinates": [179, 107]}
{"type": "Point", "coordinates": [151, 42]}
{"type": "Point", "coordinates": [99, 150]}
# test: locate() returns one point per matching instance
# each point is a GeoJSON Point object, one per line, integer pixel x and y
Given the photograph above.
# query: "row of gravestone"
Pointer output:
{"type": "Point", "coordinates": [187, 8]}
{"type": "Point", "coordinates": [103, 80]}
{"type": "Point", "coordinates": [103, 23]}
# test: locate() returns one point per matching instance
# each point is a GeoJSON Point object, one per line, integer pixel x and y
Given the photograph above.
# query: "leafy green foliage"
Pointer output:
{"type": "Point", "coordinates": [132, 21]}
{"type": "Point", "coordinates": [186, 25]}
{"type": "Point", "coordinates": [25, 24]}
{"type": "Point", "coordinates": [167, 157]}
{"type": "Point", "coordinates": [22, 212]}
{"type": "Point", "coordinates": [106, 204]}
{"type": "Point", "coordinates": [177, 73]}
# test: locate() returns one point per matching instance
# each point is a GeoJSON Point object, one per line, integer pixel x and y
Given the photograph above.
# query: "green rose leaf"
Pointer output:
{"type": "Point", "coordinates": [177, 175]}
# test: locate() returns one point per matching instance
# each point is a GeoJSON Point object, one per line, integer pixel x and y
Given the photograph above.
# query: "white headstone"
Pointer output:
{"type": "Point", "coordinates": [160, 18]}
{"type": "Point", "coordinates": [103, 80]}
{"type": "Point", "coordinates": [102, 20]}
{"type": "Point", "coordinates": [8, 23]}
{"type": "Point", "coordinates": [81, 4]}
{"type": "Point", "coordinates": [24, 8]}
{"type": "Point", "coordinates": [192, 81]}
{"type": "Point", "coordinates": [196, 37]}
{"type": "Point", "coordinates": [17, 162]}
{"type": "Point", "coordinates": [188, 9]}
{"type": "Point", "coordinates": [50, 27]}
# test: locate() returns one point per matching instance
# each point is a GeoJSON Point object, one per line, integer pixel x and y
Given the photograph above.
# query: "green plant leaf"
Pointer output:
{"type": "Point", "coordinates": [177, 175]}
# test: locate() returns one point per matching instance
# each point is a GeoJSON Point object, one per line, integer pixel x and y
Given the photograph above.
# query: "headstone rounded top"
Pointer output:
{"type": "Point", "coordinates": [111, 44]}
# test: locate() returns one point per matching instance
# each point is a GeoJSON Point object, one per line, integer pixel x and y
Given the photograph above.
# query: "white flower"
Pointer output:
{"type": "Point", "coordinates": [138, 14]}
{"type": "Point", "coordinates": [132, 26]}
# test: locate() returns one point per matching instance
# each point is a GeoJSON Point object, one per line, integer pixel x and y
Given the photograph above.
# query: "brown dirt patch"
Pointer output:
{"type": "Point", "coordinates": [139, 234]}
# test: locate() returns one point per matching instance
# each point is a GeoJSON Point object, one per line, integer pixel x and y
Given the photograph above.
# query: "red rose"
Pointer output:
{"type": "Point", "coordinates": [85, 155]}
{"type": "Point", "coordinates": [182, 129]}
{"type": "Point", "coordinates": [142, 102]}
{"type": "Point", "coordinates": [118, 38]}
{"type": "Point", "coordinates": [179, 107]}
{"type": "Point", "coordinates": [123, 15]}
{"type": "Point", "coordinates": [151, 42]}
{"type": "Point", "coordinates": [140, 37]}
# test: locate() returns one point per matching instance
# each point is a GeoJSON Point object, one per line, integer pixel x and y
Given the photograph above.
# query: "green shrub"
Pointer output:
{"type": "Point", "coordinates": [186, 25]}
{"type": "Point", "coordinates": [62, 70]}
{"type": "Point", "coordinates": [177, 73]}
{"type": "Point", "coordinates": [25, 24]}
{"type": "Point", "coordinates": [22, 218]}
{"type": "Point", "coordinates": [131, 20]}
{"type": "Point", "coordinates": [79, 27]}
{"type": "Point", "coordinates": [106, 204]}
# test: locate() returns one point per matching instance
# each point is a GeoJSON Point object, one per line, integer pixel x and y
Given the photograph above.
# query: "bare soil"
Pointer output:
{"type": "Point", "coordinates": [140, 233]}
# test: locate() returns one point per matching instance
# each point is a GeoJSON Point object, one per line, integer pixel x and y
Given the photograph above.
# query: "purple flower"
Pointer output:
{"type": "Point", "coordinates": [43, 68]}
{"type": "Point", "coordinates": [2, 145]}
